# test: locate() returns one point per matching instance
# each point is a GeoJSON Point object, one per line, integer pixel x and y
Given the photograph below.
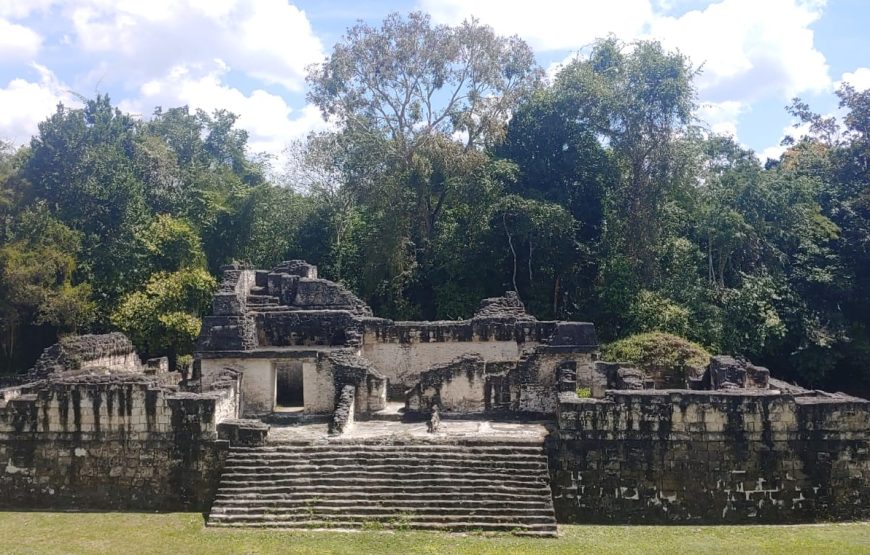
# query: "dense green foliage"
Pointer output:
{"type": "Point", "coordinates": [164, 316]}
{"type": "Point", "coordinates": [667, 358]}
{"type": "Point", "coordinates": [454, 172]}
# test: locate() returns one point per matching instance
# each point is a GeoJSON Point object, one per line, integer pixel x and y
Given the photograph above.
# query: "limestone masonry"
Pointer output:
{"type": "Point", "coordinates": [304, 409]}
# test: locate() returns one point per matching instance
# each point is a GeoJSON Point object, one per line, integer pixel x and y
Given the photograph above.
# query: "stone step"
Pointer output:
{"type": "Point", "coordinates": [506, 496]}
{"type": "Point", "coordinates": [416, 473]}
{"type": "Point", "coordinates": [294, 418]}
{"type": "Point", "coordinates": [466, 485]}
{"type": "Point", "coordinates": [262, 300]}
{"type": "Point", "coordinates": [316, 508]}
{"type": "Point", "coordinates": [375, 458]}
{"type": "Point", "coordinates": [343, 447]}
{"type": "Point", "coordinates": [336, 447]}
{"type": "Point", "coordinates": [404, 451]}
{"type": "Point", "coordinates": [410, 499]}
{"type": "Point", "coordinates": [518, 464]}
{"type": "Point", "coordinates": [351, 514]}
{"type": "Point", "coordinates": [384, 416]}
{"type": "Point", "coordinates": [396, 474]}
{"type": "Point", "coordinates": [375, 442]}
{"type": "Point", "coordinates": [477, 487]}
{"type": "Point", "coordinates": [375, 469]}
{"type": "Point", "coordinates": [375, 462]}
{"type": "Point", "coordinates": [544, 530]}
{"type": "Point", "coordinates": [264, 514]}
{"type": "Point", "coordinates": [366, 461]}
{"type": "Point", "coordinates": [410, 502]}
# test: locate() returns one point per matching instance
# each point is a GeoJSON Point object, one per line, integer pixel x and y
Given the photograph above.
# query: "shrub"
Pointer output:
{"type": "Point", "coordinates": [668, 359]}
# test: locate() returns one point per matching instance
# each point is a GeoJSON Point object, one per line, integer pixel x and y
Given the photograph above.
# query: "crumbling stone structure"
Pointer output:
{"type": "Point", "coordinates": [730, 456]}
{"type": "Point", "coordinates": [733, 445]}
{"type": "Point", "coordinates": [111, 351]}
{"type": "Point", "coordinates": [93, 427]}
{"type": "Point", "coordinates": [288, 318]}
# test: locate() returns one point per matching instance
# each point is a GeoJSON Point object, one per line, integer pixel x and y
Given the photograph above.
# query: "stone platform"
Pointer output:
{"type": "Point", "coordinates": [387, 431]}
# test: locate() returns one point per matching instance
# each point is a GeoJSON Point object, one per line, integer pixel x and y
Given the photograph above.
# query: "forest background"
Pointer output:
{"type": "Point", "coordinates": [454, 170]}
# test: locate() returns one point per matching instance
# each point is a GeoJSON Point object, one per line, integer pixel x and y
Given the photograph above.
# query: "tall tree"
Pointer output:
{"type": "Point", "coordinates": [639, 101]}
{"type": "Point", "coordinates": [426, 100]}
{"type": "Point", "coordinates": [80, 166]}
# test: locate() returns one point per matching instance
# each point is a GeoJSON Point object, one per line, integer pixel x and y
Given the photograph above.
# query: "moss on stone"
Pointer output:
{"type": "Point", "coordinates": [668, 359]}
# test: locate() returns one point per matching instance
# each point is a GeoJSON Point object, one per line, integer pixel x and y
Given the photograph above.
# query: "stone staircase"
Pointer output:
{"type": "Point", "coordinates": [258, 299]}
{"type": "Point", "coordinates": [472, 485]}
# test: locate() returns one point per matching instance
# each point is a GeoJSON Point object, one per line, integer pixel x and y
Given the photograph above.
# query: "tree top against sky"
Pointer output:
{"type": "Point", "coordinates": [250, 57]}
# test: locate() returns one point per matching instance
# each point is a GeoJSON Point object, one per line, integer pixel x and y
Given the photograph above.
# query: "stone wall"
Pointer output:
{"type": "Point", "coordinates": [470, 384]}
{"type": "Point", "coordinates": [257, 379]}
{"type": "Point", "coordinates": [110, 442]}
{"type": "Point", "coordinates": [534, 381]}
{"type": "Point", "coordinates": [293, 328]}
{"type": "Point", "coordinates": [230, 327]}
{"type": "Point", "coordinates": [404, 350]}
{"type": "Point", "coordinates": [403, 363]}
{"type": "Point", "coordinates": [719, 457]}
{"type": "Point", "coordinates": [113, 351]}
{"type": "Point", "coordinates": [457, 386]}
{"type": "Point", "coordinates": [369, 385]}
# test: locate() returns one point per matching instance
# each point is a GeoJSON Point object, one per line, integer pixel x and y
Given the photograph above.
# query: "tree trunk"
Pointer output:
{"type": "Point", "coordinates": [556, 297]}
{"type": "Point", "coordinates": [513, 251]}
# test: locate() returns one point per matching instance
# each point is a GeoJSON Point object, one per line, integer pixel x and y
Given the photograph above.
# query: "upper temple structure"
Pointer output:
{"type": "Point", "coordinates": [298, 340]}
{"type": "Point", "coordinates": [303, 409]}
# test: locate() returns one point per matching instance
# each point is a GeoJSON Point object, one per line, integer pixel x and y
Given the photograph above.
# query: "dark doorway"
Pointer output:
{"type": "Point", "coordinates": [289, 384]}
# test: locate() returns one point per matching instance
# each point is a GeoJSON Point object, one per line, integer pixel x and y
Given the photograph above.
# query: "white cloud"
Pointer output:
{"type": "Point", "coordinates": [549, 24]}
{"type": "Point", "coordinates": [22, 8]}
{"type": "Point", "coordinates": [23, 104]}
{"type": "Point", "coordinates": [749, 49]}
{"type": "Point", "coordinates": [270, 40]}
{"type": "Point", "coordinates": [860, 79]}
{"type": "Point", "coordinates": [220, 54]}
{"type": "Point", "coordinates": [772, 152]}
{"type": "Point", "coordinates": [722, 117]}
{"type": "Point", "coordinates": [270, 122]}
{"type": "Point", "coordinates": [18, 42]}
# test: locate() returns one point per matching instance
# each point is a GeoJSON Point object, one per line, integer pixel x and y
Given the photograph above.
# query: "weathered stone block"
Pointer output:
{"type": "Point", "coordinates": [250, 433]}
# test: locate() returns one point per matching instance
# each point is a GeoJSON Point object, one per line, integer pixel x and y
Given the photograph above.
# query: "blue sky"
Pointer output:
{"type": "Point", "coordinates": [249, 56]}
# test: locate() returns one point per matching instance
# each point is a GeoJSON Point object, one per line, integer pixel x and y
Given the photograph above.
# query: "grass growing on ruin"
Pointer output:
{"type": "Point", "coordinates": [132, 533]}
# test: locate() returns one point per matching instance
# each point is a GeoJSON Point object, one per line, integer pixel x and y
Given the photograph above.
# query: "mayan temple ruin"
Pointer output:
{"type": "Point", "coordinates": [303, 409]}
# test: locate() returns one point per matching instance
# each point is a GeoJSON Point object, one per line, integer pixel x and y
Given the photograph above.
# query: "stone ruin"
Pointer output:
{"type": "Point", "coordinates": [291, 335]}
{"type": "Point", "coordinates": [93, 427]}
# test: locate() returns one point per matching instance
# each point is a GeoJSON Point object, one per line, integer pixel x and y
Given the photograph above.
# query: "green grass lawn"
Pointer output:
{"type": "Point", "coordinates": [127, 533]}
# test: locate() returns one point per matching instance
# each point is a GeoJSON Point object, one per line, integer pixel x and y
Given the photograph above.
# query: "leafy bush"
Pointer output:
{"type": "Point", "coordinates": [653, 311]}
{"type": "Point", "coordinates": [668, 359]}
{"type": "Point", "coordinates": [164, 316]}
